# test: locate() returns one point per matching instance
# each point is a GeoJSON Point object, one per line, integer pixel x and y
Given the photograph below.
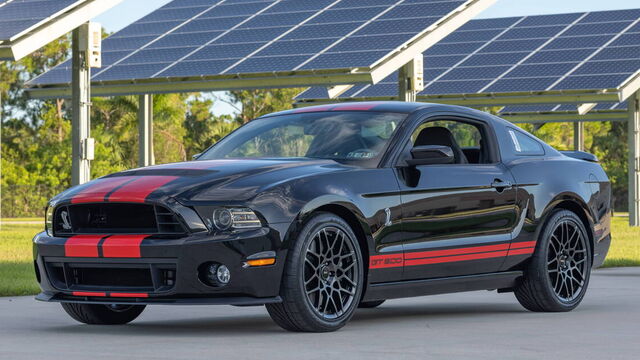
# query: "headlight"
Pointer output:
{"type": "Point", "coordinates": [235, 218]}
{"type": "Point", "coordinates": [48, 220]}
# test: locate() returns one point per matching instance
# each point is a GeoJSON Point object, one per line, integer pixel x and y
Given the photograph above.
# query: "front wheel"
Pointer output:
{"type": "Point", "coordinates": [558, 275]}
{"type": "Point", "coordinates": [323, 277]}
{"type": "Point", "coordinates": [97, 314]}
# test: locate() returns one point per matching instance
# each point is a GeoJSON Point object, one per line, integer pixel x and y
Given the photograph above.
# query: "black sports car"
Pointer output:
{"type": "Point", "coordinates": [317, 211]}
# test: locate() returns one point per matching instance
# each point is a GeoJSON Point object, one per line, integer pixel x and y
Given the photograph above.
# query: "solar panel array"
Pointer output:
{"type": "Point", "coordinates": [17, 16]}
{"type": "Point", "coordinates": [596, 50]}
{"type": "Point", "coordinates": [192, 38]}
{"type": "Point", "coordinates": [560, 108]}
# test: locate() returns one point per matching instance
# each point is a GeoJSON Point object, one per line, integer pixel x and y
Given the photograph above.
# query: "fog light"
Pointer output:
{"type": "Point", "coordinates": [223, 274]}
{"type": "Point", "coordinates": [215, 274]}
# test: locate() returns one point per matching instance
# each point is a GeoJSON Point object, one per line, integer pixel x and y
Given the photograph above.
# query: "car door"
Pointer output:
{"type": "Point", "coordinates": [457, 218]}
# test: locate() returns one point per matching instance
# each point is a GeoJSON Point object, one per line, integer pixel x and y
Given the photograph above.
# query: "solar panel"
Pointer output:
{"type": "Point", "coordinates": [596, 50]}
{"type": "Point", "coordinates": [17, 16]}
{"type": "Point", "coordinates": [198, 38]}
{"type": "Point", "coordinates": [26, 25]}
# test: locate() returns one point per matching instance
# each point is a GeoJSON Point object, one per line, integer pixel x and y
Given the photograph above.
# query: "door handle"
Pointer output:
{"type": "Point", "coordinates": [501, 185]}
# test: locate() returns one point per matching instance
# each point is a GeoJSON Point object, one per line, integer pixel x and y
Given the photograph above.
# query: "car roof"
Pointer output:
{"type": "Point", "coordinates": [377, 106]}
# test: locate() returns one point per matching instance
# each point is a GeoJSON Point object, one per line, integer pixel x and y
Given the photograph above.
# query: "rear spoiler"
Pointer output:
{"type": "Point", "coordinates": [580, 155]}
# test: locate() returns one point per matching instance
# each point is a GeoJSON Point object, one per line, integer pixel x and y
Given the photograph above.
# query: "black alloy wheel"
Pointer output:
{"type": "Point", "coordinates": [567, 260]}
{"type": "Point", "coordinates": [323, 277]}
{"type": "Point", "coordinates": [557, 276]}
{"type": "Point", "coordinates": [330, 273]}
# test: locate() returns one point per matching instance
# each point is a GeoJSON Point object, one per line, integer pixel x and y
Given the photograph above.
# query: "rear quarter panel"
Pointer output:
{"type": "Point", "coordinates": [545, 182]}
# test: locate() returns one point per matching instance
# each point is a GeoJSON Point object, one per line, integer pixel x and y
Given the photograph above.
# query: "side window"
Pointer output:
{"type": "Point", "coordinates": [465, 135]}
{"type": "Point", "coordinates": [466, 140]}
{"type": "Point", "coordinates": [523, 144]}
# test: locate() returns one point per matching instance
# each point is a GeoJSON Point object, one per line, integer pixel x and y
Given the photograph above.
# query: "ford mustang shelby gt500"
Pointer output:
{"type": "Point", "coordinates": [314, 212]}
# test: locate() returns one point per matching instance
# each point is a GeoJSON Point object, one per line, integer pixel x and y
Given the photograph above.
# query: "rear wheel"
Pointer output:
{"type": "Point", "coordinates": [103, 314]}
{"type": "Point", "coordinates": [322, 279]}
{"type": "Point", "coordinates": [370, 304]}
{"type": "Point", "coordinates": [558, 275]}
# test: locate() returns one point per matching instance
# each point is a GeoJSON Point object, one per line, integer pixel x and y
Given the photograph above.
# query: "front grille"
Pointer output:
{"type": "Point", "coordinates": [116, 218]}
{"type": "Point", "coordinates": [126, 277]}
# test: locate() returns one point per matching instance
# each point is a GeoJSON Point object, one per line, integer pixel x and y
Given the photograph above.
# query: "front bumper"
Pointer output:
{"type": "Point", "coordinates": [164, 270]}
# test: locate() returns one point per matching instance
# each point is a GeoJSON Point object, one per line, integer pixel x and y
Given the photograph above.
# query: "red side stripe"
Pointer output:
{"type": "Point", "coordinates": [522, 251]}
{"type": "Point", "coordinates": [138, 190]}
{"type": "Point", "coordinates": [448, 252]}
{"type": "Point", "coordinates": [87, 293]}
{"type": "Point", "coordinates": [98, 189]}
{"type": "Point", "coordinates": [455, 258]}
{"type": "Point", "coordinates": [523, 244]}
{"type": "Point", "coordinates": [451, 255]}
{"type": "Point", "coordinates": [122, 246]}
{"type": "Point", "coordinates": [82, 246]}
{"type": "Point", "coordinates": [132, 295]}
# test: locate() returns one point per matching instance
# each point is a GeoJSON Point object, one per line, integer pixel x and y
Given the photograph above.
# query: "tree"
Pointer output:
{"type": "Point", "coordinates": [254, 103]}
{"type": "Point", "coordinates": [202, 127]}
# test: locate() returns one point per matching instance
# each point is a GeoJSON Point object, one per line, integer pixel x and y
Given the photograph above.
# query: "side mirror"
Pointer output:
{"type": "Point", "coordinates": [431, 155]}
{"type": "Point", "coordinates": [196, 156]}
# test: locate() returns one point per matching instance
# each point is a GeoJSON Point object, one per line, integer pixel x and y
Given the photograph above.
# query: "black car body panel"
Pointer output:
{"type": "Point", "coordinates": [431, 229]}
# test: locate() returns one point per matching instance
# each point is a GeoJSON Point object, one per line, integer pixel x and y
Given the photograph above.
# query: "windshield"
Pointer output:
{"type": "Point", "coordinates": [341, 136]}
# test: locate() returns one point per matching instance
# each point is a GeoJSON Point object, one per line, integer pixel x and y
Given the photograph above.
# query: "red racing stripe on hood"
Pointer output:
{"type": "Point", "coordinates": [98, 189]}
{"type": "Point", "coordinates": [139, 189]}
{"type": "Point", "coordinates": [122, 246]}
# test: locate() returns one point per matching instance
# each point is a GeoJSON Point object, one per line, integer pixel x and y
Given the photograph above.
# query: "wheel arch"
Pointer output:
{"type": "Point", "coordinates": [347, 211]}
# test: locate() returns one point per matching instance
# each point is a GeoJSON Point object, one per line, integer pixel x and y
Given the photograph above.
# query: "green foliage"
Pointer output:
{"type": "Point", "coordinates": [255, 103]}
{"type": "Point", "coordinates": [607, 140]}
{"type": "Point", "coordinates": [203, 129]}
{"type": "Point", "coordinates": [36, 144]}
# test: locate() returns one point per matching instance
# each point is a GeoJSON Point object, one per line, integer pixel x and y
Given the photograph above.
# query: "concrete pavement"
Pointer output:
{"type": "Point", "coordinates": [478, 325]}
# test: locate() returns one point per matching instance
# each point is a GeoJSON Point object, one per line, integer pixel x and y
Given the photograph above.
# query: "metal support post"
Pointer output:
{"type": "Point", "coordinates": [80, 104]}
{"type": "Point", "coordinates": [145, 130]}
{"type": "Point", "coordinates": [411, 79]}
{"type": "Point", "coordinates": [578, 136]}
{"type": "Point", "coordinates": [634, 159]}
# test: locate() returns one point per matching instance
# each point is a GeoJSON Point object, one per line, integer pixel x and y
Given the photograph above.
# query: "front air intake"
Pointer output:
{"type": "Point", "coordinates": [116, 218]}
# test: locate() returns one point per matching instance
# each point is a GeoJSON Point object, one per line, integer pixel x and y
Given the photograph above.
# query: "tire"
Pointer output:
{"type": "Point", "coordinates": [557, 277]}
{"type": "Point", "coordinates": [97, 314]}
{"type": "Point", "coordinates": [370, 304]}
{"type": "Point", "coordinates": [322, 277]}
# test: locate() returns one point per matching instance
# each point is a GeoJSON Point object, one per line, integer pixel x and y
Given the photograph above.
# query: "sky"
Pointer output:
{"type": "Point", "coordinates": [130, 10]}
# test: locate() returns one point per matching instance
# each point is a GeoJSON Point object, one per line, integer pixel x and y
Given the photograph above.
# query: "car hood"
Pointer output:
{"type": "Point", "coordinates": [195, 181]}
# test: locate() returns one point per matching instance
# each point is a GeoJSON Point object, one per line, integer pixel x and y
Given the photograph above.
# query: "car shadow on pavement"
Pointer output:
{"type": "Point", "coordinates": [257, 324]}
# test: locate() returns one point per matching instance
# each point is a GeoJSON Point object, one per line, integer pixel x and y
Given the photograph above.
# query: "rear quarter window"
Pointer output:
{"type": "Point", "coordinates": [524, 144]}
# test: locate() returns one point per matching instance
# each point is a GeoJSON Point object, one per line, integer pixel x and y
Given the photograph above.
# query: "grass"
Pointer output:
{"type": "Point", "coordinates": [30, 219]}
{"type": "Point", "coordinates": [16, 259]}
{"type": "Point", "coordinates": [625, 244]}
